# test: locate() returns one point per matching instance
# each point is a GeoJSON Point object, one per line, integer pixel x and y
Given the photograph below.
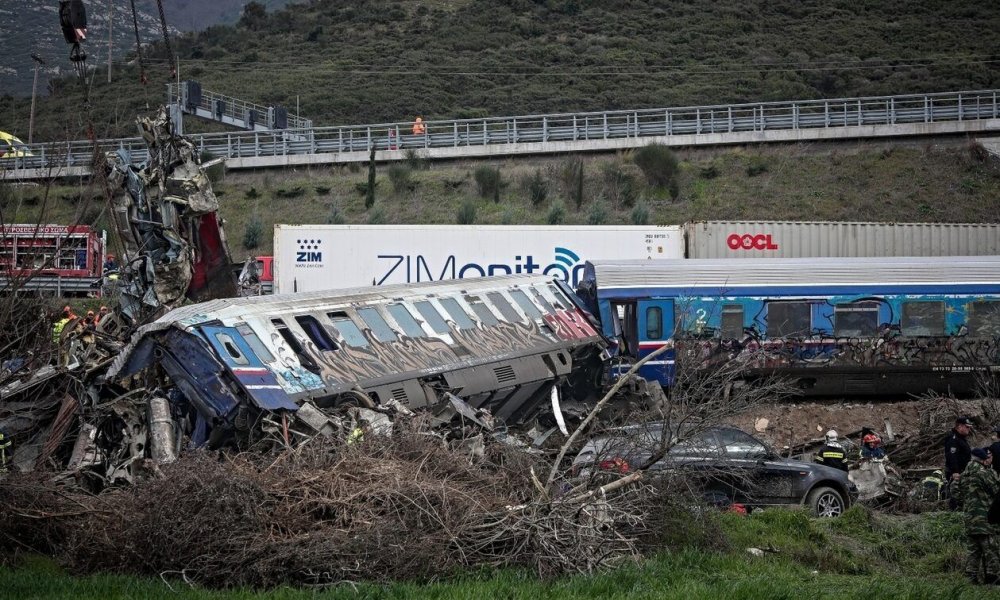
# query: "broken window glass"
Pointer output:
{"type": "Point", "coordinates": [380, 329]}
{"type": "Point", "coordinates": [433, 317]}
{"type": "Point", "coordinates": [316, 332]}
{"type": "Point", "coordinates": [254, 342]}
{"type": "Point", "coordinates": [462, 320]}
{"type": "Point", "coordinates": [541, 300]}
{"type": "Point", "coordinates": [405, 320]}
{"type": "Point", "coordinates": [922, 318]}
{"type": "Point", "coordinates": [293, 343]}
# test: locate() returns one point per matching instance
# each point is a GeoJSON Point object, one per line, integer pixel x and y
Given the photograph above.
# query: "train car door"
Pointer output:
{"type": "Point", "coordinates": [655, 327]}
{"type": "Point", "coordinates": [252, 374]}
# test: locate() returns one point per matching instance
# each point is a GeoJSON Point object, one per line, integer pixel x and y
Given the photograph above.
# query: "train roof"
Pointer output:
{"type": "Point", "coordinates": [284, 304]}
{"type": "Point", "coordinates": [717, 274]}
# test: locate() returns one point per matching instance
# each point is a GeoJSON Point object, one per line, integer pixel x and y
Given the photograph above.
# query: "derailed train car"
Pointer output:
{"type": "Point", "coordinates": [514, 346]}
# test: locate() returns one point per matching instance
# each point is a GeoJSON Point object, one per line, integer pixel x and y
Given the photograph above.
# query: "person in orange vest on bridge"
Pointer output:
{"type": "Point", "coordinates": [418, 126]}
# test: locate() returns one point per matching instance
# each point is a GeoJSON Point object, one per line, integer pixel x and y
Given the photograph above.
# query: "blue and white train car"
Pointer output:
{"type": "Point", "coordinates": [838, 326]}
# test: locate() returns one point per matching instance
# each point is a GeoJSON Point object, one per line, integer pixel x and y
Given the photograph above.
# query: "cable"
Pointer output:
{"type": "Point", "coordinates": [138, 46]}
{"type": "Point", "coordinates": [166, 40]}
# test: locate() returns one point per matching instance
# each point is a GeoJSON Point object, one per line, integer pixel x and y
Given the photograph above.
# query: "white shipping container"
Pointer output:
{"type": "Point", "coordinates": [792, 239]}
{"type": "Point", "coordinates": [322, 257]}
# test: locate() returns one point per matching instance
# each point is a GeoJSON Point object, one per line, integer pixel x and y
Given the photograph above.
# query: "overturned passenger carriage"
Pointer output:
{"type": "Point", "coordinates": [516, 346]}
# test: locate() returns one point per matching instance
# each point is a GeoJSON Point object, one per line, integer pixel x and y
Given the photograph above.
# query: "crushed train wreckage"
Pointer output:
{"type": "Point", "coordinates": [500, 354]}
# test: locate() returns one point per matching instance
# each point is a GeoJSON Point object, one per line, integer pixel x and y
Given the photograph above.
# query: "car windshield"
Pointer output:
{"type": "Point", "coordinates": [737, 444]}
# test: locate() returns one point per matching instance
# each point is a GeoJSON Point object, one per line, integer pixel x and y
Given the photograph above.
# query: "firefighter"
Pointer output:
{"type": "Point", "coordinates": [60, 324]}
{"type": "Point", "coordinates": [957, 454]}
{"type": "Point", "coordinates": [871, 447]}
{"type": "Point", "coordinates": [832, 454]}
{"type": "Point", "coordinates": [977, 488]}
{"type": "Point", "coordinates": [103, 312]}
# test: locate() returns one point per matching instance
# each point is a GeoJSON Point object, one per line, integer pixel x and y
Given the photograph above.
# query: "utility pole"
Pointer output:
{"type": "Point", "coordinates": [111, 15]}
{"type": "Point", "coordinates": [34, 91]}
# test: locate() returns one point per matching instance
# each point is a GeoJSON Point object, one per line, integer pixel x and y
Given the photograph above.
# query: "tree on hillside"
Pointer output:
{"type": "Point", "coordinates": [254, 16]}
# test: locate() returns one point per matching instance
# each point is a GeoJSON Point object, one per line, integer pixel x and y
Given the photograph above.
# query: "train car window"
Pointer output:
{"type": "Point", "coordinates": [405, 320]}
{"type": "Point", "coordinates": [858, 319]}
{"type": "Point", "coordinates": [347, 329]}
{"type": "Point", "coordinates": [380, 329]}
{"type": "Point", "coordinates": [541, 300]}
{"type": "Point", "coordinates": [654, 323]}
{"type": "Point", "coordinates": [482, 311]}
{"type": "Point", "coordinates": [434, 319]}
{"type": "Point", "coordinates": [316, 332]}
{"type": "Point", "coordinates": [922, 319]}
{"type": "Point", "coordinates": [457, 314]}
{"type": "Point", "coordinates": [293, 343]}
{"type": "Point", "coordinates": [732, 322]}
{"type": "Point", "coordinates": [230, 346]}
{"type": "Point", "coordinates": [561, 301]}
{"type": "Point", "coordinates": [984, 319]}
{"type": "Point", "coordinates": [254, 342]}
{"type": "Point", "coordinates": [788, 319]}
{"type": "Point", "coordinates": [526, 304]}
{"type": "Point", "coordinates": [509, 314]}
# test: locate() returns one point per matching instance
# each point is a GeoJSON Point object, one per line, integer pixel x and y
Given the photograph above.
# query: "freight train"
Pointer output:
{"type": "Point", "coordinates": [837, 326]}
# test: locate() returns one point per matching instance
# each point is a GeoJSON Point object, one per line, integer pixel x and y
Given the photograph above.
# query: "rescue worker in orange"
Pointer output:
{"type": "Point", "coordinates": [103, 312]}
{"type": "Point", "coordinates": [418, 126]}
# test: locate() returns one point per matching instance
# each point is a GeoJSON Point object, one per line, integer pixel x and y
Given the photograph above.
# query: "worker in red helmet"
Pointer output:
{"type": "Point", "coordinates": [871, 447]}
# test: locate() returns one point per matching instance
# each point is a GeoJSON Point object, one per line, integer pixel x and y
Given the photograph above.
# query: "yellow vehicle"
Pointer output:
{"type": "Point", "coordinates": [11, 147]}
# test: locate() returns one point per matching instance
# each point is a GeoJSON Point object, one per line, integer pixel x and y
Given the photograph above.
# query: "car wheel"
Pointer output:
{"type": "Point", "coordinates": [826, 502]}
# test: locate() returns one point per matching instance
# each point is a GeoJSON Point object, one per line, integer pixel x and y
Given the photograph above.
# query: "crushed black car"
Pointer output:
{"type": "Point", "coordinates": [724, 464]}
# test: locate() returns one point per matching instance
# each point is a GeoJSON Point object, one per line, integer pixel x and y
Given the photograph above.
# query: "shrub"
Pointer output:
{"type": "Point", "coordinates": [336, 215]}
{"type": "Point", "coordinates": [488, 181]}
{"type": "Point", "coordinates": [362, 189]}
{"type": "Point", "coordinates": [322, 190]}
{"type": "Point", "coordinates": [466, 213]}
{"type": "Point", "coordinates": [658, 164]}
{"type": "Point", "coordinates": [399, 175]}
{"type": "Point", "coordinates": [537, 187]}
{"type": "Point", "coordinates": [640, 214]}
{"type": "Point", "coordinates": [557, 213]}
{"type": "Point", "coordinates": [507, 216]}
{"type": "Point", "coordinates": [377, 216]}
{"type": "Point", "coordinates": [253, 233]}
{"type": "Point", "coordinates": [569, 173]}
{"type": "Point", "coordinates": [710, 172]}
{"type": "Point", "coordinates": [294, 192]}
{"type": "Point", "coordinates": [598, 213]}
{"type": "Point", "coordinates": [253, 194]}
{"type": "Point", "coordinates": [756, 167]}
{"type": "Point", "coordinates": [621, 183]}
{"type": "Point", "coordinates": [414, 160]}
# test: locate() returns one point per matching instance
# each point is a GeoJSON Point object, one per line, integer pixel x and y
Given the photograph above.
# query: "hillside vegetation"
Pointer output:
{"type": "Point", "coordinates": [849, 182]}
{"type": "Point", "coordinates": [384, 60]}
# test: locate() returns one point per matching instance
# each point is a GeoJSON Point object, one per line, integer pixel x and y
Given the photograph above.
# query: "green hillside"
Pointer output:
{"type": "Point", "coordinates": [849, 182]}
{"type": "Point", "coordinates": [381, 60]}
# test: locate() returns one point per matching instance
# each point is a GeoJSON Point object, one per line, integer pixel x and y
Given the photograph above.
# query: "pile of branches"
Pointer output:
{"type": "Point", "coordinates": [407, 506]}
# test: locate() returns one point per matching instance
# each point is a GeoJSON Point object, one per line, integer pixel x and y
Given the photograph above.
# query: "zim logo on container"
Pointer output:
{"type": "Point", "coordinates": [309, 251]}
{"type": "Point", "coordinates": [761, 241]}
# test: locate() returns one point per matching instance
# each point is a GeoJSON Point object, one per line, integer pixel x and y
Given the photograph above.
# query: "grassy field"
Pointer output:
{"type": "Point", "coordinates": [846, 182]}
{"type": "Point", "coordinates": [859, 555]}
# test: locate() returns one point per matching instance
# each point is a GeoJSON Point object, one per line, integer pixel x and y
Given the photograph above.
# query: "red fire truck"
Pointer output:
{"type": "Point", "coordinates": [64, 260]}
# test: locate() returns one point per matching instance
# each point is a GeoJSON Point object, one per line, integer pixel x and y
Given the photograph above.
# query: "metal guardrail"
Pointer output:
{"type": "Point", "coordinates": [574, 127]}
{"type": "Point", "coordinates": [227, 109]}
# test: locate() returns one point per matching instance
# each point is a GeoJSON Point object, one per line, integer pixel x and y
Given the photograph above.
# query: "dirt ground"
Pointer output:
{"type": "Point", "coordinates": [788, 426]}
